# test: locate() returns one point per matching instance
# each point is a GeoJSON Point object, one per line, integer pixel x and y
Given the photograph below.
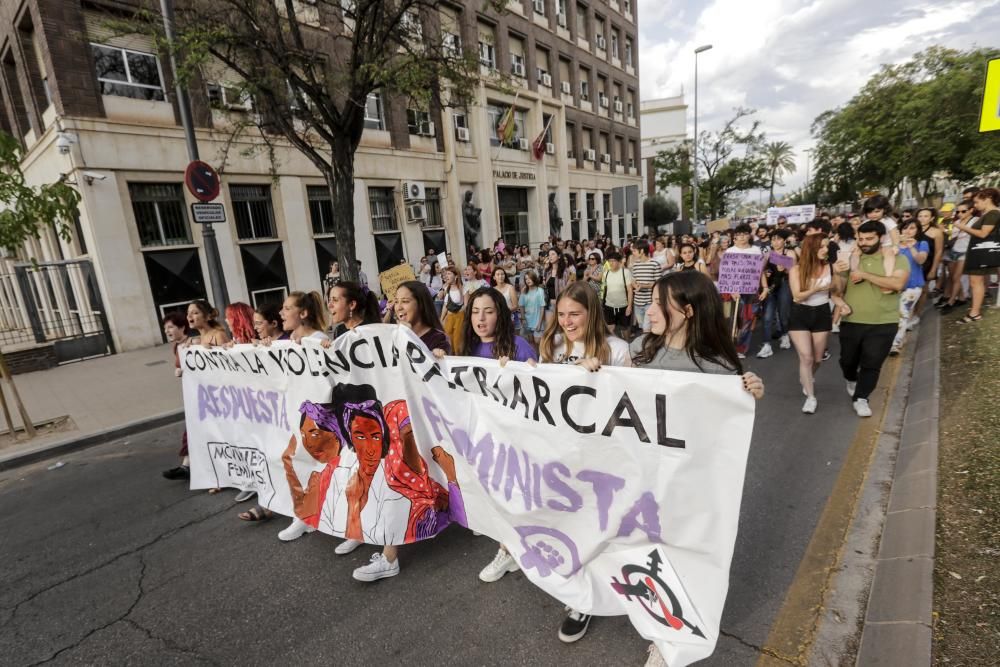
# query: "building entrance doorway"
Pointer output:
{"type": "Point", "coordinates": [513, 204]}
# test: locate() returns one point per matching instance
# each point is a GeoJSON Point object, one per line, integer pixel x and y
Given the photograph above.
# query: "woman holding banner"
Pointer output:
{"type": "Point", "coordinates": [811, 320]}
{"type": "Point", "coordinates": [688, 332]}
{"type": "Point", "coordinates": [579, 336]}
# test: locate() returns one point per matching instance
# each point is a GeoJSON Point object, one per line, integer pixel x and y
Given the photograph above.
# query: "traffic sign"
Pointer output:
{"type": "Point", "coordinates": [202, 180]}
{"type": "Point", "coordinates": [208, 213]}
{"type": "Point", "coordinates": [989, 117]}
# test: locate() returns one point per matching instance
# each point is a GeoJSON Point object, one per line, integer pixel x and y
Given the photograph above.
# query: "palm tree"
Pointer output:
{"type": "Point", "coordinates": [780, 161]}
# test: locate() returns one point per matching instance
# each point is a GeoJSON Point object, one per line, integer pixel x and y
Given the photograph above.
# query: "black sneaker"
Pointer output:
{"type": "Point", "coordinates": [180, 472]}
{"type": "Point", "coordinates": [574, 627]}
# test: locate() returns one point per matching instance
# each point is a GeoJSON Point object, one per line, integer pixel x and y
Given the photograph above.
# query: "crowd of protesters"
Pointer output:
{"type": "Point", "coordinates": [652, 302]}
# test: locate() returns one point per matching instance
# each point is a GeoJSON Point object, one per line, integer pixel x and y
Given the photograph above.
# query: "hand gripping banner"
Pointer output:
{"type": "Point", "coordinates": [617, 491]}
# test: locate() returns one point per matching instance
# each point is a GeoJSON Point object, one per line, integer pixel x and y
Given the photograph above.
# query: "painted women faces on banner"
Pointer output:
{"type": "Point", "coordinates": [374, 485]}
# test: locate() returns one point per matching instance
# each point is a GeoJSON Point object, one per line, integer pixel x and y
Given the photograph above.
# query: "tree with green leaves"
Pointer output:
{"type": "Point", "coordinates": [25, 211]}
{"type": "Point", "coordinates": [729, 162]}
{"type": "Point", "coordinates": [780, 161]}
{"type": "Point", "coordinates": [910, 123]}
{"type": "Point", "coordinates": [658, 210]}
{"type": "Point", "coordinates": [307, 67]}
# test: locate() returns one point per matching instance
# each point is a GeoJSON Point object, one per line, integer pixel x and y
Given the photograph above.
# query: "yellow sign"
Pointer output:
{"type": "Point", "coordinates": [390, 280]}
{"type": "Point", "coordinates": [989, 117]}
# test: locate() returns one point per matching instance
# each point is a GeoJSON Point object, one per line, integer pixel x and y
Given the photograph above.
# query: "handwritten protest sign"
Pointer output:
{"type": "Point", "coordinates": [778, 259]}
{"type": "Point", "coordinates": [739, 273]}
{"type": "Point", "coordinates": [390, 280]}
{"type": "Point", "coordinates": [794, 215]}
{"type": "Point", "coordinates": [617, 491]}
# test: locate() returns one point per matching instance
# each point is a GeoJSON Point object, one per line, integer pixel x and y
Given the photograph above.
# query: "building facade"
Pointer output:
{"type": "Point", "coordinates": [664, 127]}
{"type": "Point", "coordinates": [96, 108]}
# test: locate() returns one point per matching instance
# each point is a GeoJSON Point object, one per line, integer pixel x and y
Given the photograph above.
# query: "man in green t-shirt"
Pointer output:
{"type": "Point", "coordinates": [871, 313]}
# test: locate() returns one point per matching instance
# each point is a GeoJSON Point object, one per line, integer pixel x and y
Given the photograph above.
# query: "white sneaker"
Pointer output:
{"type": "Point", "coordinates": [765, 351]}
{"type": "Point", "coordinates": [297, 529]}
{"type": "Point", "coordinates": [347, 546]}
{"type": "Point", "coordinates": [786, 342]}
{"type": "Point", "coordinates": [809, 407]}
{"type": "Point", "coordinates": [501, 564]}
{"type": "Point", "coordinates": [851, 386]}
{"type": "Point", "coordinates": [243, 496]}
{"type": "Point", "coordinates": [912, 324]}
{"type": "Point", "coordinates": [655, 659]}
{"type": "Point", "coordinates": [862, 408]}
{"type": "Point", "coordinates": [836, 328]}
{"type": "Point", "coordinates": [741, 355]}
{"type": "Point", "coordinates": [378, 567]}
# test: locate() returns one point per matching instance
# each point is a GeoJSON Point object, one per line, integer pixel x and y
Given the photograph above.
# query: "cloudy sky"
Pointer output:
{"type": "Point", "coordinates": [792, 59]}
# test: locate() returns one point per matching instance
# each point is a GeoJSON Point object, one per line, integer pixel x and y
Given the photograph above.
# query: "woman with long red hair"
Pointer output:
{"type": "Point", "coordinates": [239, 319]}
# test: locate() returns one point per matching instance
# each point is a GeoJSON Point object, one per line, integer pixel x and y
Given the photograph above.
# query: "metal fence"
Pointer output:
{"type": "Point", "coordinates": [57, 303]}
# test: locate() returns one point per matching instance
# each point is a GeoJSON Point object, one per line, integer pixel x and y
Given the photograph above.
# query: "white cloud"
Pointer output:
{"type": "Point", "coordinates": [792, 59]}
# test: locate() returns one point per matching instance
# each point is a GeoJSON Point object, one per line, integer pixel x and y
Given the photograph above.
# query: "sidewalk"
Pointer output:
{"type": "Point", "coordinates": [91, 401]}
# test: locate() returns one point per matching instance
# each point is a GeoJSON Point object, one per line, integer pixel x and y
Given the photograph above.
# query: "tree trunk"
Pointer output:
{"type": "Point", "coordinates": [29, 426]}
{"type": "Point", "coordinates": [340, 182]}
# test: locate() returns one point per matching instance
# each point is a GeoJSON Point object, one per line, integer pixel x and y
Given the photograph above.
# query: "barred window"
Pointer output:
{"type": "Point", "coordinates": [432, 200]}
{"type": "Point", "coordinates": [160, 214]}
{"type": "Point", "coordinates": [253, 211]}
{"type": "Point", "coordinates": [383, 209]}
{"type": "Point", "coordinates": [320, 209]}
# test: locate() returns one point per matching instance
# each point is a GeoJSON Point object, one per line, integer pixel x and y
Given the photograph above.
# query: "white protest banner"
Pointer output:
{"type": "Point", "coordinates": [739, 273]}
{"type": "Point", "coordinates": [794, 215]}
{"type": "Point", "coordinates": [617, 491]}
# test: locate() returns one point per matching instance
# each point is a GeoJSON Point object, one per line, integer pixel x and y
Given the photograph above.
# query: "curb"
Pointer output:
{"type": "Point", "coordinates": [897, 624]}
{"type": "Point", "coordinates": [24, 457]}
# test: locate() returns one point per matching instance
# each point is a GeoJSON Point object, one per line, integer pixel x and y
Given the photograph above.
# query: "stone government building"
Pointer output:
{"type": "Point", "coordinates": [97, 108]}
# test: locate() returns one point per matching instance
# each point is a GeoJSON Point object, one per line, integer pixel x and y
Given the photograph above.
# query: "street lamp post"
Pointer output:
{"type": "Point", "coordinates": [216, 278]}
{"type": "Point", "coordinates": [694, 212]}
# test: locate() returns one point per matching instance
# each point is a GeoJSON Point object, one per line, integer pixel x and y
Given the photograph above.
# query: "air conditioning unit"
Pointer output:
{"type": "Point", "coordinates": [606, 158]}
{"type": "Point", "coordinates": [427, 128]}
{"type": "Point", "coordinates": [462, 134]}
{"type": "Point", "coordinates": [547, 80]}
{"type": "Point", "coordinates": [550, 148]}
{"type": "Point", "coordinates": [619, 106]}
{"type": "Point", "coordinates": [416, 212]}
{"type": "Point", "coordinates": [540, 7]}
{"type": "Point", "coordinates": [604, 100]}
{"type": "Point", "coordinates": [517, 68]}
{"type": "Point", "coordinates": [522, 144]}
{"type": "Point", "coordinates": [601, 42]}
{"type": "Point", "coordinates": [590, 155]}
{"type": "Point", "coordinates": [561, 20]}
{"type": "Point", "coordinates": [631, 163]}
{"type": "Point", "coordinates": [413, 191]}
{"type": "Point", "coordinates": [570, 155]}
{"type": "Point", "coordinates": [577, 215]}
{"type": "Point", "coordinates": [567, 88]}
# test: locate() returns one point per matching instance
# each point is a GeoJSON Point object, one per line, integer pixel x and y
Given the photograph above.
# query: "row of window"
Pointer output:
{"type": "Point", "coordinates": [161, 212]}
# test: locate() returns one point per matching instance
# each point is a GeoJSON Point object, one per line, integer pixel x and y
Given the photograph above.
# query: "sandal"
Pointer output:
{"type": "Point", "coordinates": [212, 492]}
{"type": "Point", "coordinates": [256, 513]}
{"type": "Point", "coordinates": [970, 318]}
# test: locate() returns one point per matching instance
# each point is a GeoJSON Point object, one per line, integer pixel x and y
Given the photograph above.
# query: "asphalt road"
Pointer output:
{"type": "Point", "coordinates": [104, 562]}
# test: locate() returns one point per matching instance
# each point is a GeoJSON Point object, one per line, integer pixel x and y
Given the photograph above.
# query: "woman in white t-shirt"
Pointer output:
{"type": "Point", "coordinates": [577, 335]}
{"type": "Point", "coordinates": [303, 315]}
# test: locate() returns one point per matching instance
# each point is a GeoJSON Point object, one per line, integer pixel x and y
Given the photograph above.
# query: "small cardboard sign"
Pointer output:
{"type": "Point", "coordinates": [720, 225]}
{"type": "Point", "coordinates": [390, 280]}
{"type": "Point", "coordinates": [739, 273]}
